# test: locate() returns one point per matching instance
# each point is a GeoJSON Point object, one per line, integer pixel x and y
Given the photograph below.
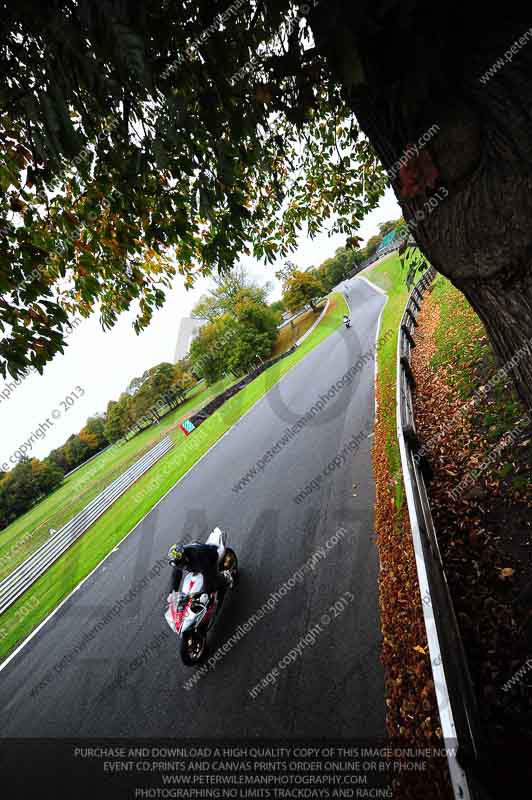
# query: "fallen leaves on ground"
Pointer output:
{"type": "Point", "coordinates": [480, 569]}
{"type": "Point", "coordinates": [412, 714]}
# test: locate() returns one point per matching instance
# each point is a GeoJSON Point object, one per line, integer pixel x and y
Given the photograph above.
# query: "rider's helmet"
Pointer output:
{"type": "Point", "coordinates": [176, 554]}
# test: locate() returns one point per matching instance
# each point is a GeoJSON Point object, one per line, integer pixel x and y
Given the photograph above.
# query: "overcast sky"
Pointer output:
{"type": "Point", "coordinates": [101, 364]}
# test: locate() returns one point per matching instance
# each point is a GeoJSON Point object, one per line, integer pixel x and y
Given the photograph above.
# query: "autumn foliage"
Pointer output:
{"type": "Point", "coordinates": [484, 533]}
{"type": "Point", "coordinates": [411, 710]}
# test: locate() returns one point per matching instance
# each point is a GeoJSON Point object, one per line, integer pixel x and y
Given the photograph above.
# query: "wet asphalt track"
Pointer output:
{"type": "Point", "coordinates": [335, 688]}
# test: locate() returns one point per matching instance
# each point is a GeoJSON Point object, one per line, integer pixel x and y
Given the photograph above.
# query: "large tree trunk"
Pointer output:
{"type": "Point", "coordinates": [505, 308]}
{"type": "Point", "coordinates": [417, 66]}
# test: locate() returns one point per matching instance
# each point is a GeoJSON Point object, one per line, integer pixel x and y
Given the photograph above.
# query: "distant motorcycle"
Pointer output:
{"type": "Point", "coordinates": [347, 322]}
{"type": "Point", "coordinates": [192, 611]}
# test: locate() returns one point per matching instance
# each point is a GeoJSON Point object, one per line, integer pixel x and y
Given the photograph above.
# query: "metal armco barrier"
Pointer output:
{"type": "Point", "coordinates": [23, 576]}
{"type": "Point", "coordinates": [301, 311]}
{"type": "Point", "coordinates": [456, 698]}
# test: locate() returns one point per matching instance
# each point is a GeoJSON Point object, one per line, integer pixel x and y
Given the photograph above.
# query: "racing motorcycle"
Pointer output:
{"type": "Point", "coordinates": [347, 322]}
{"type": "Point", "coordinates": [192, 612]}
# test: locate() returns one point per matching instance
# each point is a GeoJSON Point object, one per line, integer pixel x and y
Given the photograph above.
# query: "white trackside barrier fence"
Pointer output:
{"type": "Point", "coordinates": [456, 698]}
{"type": "Point", "coordinates": [23, 576]}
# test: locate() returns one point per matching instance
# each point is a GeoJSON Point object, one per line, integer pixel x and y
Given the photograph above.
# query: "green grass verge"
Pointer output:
{"type": "Point", "coordinates": [30, 609]}
{"type": "Point", "coordinates": [459, 337]}
{"type": "Point", "coordinates": [463, 349]}
{"type": "Point", "coordinates": [390, 276]}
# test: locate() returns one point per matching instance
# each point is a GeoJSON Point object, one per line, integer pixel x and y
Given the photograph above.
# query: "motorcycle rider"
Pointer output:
{"type": "Point", "coordinates": [347, 321]}
{"type": "Point", "coordinates": [200, 558]}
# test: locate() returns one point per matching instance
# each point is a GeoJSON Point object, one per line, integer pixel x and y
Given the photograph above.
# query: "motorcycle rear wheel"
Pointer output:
{"type": "Point", "coordinates": [193, 648]}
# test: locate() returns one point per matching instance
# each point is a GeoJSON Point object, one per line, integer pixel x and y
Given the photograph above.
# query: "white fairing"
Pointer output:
{"type": "Point", "coordinates": [192, 583]}
{"type": "Point", "coordinates": [172, 598]}
{"type": "Point", "coordinates": [191, 619]}
{"type": "Point", "coordinates": [219, 539]}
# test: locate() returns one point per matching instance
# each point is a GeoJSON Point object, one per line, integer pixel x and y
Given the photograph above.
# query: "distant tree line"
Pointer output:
{"type": "Point", "coordinates": [346, 260]}
{"type": "Point", "coordinates": [141, 404]}
{"type": "Point", "coordinates": [397, 225]}
{"type": "Point", "coordinates": [241, 328]}
{"type": "Point", "coordinates": [161, 387]}
{"type": "Point", "coordinates": [300, 289]}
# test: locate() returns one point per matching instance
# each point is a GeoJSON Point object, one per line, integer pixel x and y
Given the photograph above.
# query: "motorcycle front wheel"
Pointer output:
{"type": "Point", "coordinates": [193, 648]}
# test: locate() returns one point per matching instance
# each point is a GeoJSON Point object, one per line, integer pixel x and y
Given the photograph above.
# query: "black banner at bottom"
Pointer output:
{"type": "Point", "coordinates": [169, 769]}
